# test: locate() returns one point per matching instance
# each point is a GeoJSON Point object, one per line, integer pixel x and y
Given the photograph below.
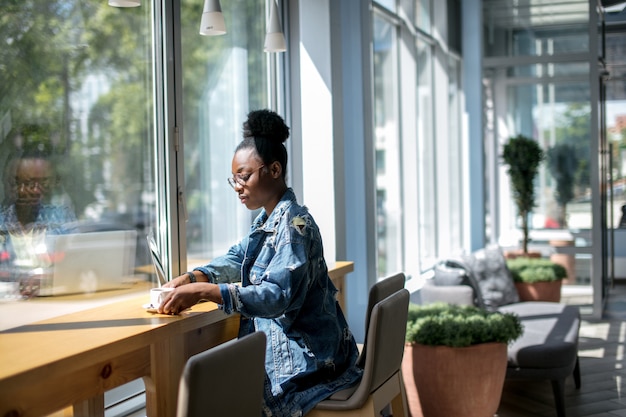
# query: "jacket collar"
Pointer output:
{"type": "Point", "coordinates": [270, 223]}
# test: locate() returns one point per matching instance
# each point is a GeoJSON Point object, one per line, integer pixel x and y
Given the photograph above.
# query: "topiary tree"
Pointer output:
{"type": "Point", "coordinates": [563, 164]}
{"type": "Point", "coordinates": [523, 156]}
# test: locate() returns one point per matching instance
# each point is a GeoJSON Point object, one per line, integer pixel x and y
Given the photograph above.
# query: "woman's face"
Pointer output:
{"type": "Point", "coordinates": [251, 179]}
{"type": "Point", "coordinates": [32, 181]}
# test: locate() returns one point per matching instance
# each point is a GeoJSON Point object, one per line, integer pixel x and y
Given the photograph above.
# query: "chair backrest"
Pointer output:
{"type": "Point", "coordinates": [379, 291]}
{"type": "Point", "coordinates": [386, 335]}
{"type": "Point", "coordinates": [214, 380]}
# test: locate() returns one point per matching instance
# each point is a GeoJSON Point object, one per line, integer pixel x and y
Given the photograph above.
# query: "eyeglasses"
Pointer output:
{"type": "Point", "coordinates": [242, 179]}
{"type": "Point", "coordinates": [31, 184]}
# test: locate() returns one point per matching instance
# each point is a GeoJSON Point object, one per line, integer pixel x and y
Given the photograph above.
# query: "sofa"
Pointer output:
{"type": "Point", "coordinates": [548, 347]}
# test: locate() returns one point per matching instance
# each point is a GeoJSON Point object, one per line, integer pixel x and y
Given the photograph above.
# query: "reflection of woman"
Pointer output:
{"type": "Point", "coordinates": [285, 289]}
{"type": "Point", "coordinates": [30, 212]}
{"type": "Point", "coordinates": [28, 219]}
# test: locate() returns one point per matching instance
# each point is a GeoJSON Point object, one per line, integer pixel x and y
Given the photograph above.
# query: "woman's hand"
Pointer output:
{"type": "Point", "coordinates": [186, 296]}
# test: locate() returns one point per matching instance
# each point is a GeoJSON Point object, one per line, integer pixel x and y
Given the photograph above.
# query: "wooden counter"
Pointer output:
{"type": "Point", "coordinates": [337, 272]}
{"type": "Point", "coordinates": [74, 358]}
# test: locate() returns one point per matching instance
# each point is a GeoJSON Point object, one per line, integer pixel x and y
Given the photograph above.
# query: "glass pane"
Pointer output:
{"type": "Point", "coordinates": [426, 163]}
{"type": "Point", "coordinates": [535, 28]}
{"type": "Point", "coordinates": [76, 132]}
{"type": "Point", "coordinates": [550, 70]}
{"type": "Point", "coordinates": [451, 214]}
{"type": "Point", "coordinates": [558, 117]}
{"type": "Point", "coordinates": [423, 19]}
{"type": "Point", "coordinates": [224, 77]}
{"type": "Point", "coordinates": [388, 179]}
{"type": "Point", "coordinates": [389, 4]}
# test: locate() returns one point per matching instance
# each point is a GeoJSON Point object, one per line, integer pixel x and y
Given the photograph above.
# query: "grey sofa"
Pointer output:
{"type": "Point", "coordinates": [548, 347]}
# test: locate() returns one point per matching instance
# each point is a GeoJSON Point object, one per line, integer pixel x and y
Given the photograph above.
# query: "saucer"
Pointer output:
{"type": "Point", "coordinates": [150, 308]}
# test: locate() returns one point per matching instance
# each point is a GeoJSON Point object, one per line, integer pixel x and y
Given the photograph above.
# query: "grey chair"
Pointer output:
{"type": "Point", "coordinates": [379, 291]}
{"type": "Point", "coordinates": [381, 384]}
{"type": "Point", "coordinates": [213, 381]}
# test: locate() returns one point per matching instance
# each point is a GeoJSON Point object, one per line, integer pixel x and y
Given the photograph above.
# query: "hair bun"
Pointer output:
{"type": "Point", "coordinates": [266, 124]}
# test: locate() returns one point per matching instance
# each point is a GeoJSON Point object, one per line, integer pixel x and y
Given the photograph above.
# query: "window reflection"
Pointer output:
{"type": "Point", "coordinates": [76, 140]}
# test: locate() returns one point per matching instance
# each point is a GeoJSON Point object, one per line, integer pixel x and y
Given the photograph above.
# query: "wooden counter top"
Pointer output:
{"type": "Point", "coordinates": [73, 358]}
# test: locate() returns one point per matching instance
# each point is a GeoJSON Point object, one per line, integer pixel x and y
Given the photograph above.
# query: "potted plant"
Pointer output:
{"type": "Point", "coordinates": [523, 155]}
{"type": "Point", "coordinates": [455, 359]}
{"type": "Point", "coordinates": [563, 163]}
{"type": "Point", "coordinates": [537, 279]}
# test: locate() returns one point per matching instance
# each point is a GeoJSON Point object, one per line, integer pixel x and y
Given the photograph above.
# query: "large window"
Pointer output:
{"type": "Point", "coordinates": [93, 114]}
{"type": "Point", "coordinates": [76, 144]}
{"type": "Point", "coordinates": [418, 142]}
{"type": "Point", "coordinates": [426, 163]}
{"type": "Point", "coordinates": [224, 77]}
{"type": "Point", "coordinates": [387, 144]}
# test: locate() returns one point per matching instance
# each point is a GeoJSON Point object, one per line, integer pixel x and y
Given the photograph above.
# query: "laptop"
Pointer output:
{"type": "Point", "coordinates": [91, 262]}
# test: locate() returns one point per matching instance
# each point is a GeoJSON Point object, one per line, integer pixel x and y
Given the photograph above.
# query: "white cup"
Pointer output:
{"type": "Point", "coordinates": [157, 295]}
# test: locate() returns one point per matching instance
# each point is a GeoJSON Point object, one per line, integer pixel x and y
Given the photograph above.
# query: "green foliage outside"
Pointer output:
{"type": "Point", "coordinates": [57, 51]}
{"type": "Point", "coordinates": [55, 48]}
{"type": "Point", "coordinates": [441, 324]}
{"type": "Point", "coordinates": [531, 270]}
{"type": "Point", "coordinates": [523, 155]}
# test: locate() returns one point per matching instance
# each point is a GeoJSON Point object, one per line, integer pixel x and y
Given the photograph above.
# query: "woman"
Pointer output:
{"type": "Point", "coordinates": [285, 290]}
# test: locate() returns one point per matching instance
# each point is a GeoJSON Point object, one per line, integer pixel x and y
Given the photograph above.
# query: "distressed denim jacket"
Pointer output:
{"type": "Point", "coordinates": [286, 293]}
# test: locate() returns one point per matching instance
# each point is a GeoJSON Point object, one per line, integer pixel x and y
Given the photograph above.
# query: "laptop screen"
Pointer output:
{"type": "Point", "coordinates": [156, 260]}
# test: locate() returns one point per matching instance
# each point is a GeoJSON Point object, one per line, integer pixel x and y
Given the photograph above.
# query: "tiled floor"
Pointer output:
{"type": "Point", "coordinates": [603, 390]}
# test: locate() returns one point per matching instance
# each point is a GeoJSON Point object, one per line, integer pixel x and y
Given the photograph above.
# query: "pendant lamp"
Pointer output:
{"type": "Point", "coordinates": [212, 22]}
{"type": "Point", "coordinates": [125, 3]}
{"type": "Point", "coordinates": [274, 39]}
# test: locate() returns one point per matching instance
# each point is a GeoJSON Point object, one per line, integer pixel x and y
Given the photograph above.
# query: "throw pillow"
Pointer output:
{"type": "Point", "coordinates": [488, 267]}
{"type": "Point", "coordinates": [450, 272]}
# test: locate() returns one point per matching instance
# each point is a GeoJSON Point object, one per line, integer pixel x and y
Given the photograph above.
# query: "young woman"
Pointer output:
{"type": "Point", "coordinates": [285, 289]}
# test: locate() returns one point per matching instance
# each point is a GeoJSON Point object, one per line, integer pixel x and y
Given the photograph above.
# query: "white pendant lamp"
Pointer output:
{"type": "Point", "coordinates": [212, 22]}
{"type": "Point", "coordinates": [125, 3]}
{"type": "Point", "coordinates": [274, 39]}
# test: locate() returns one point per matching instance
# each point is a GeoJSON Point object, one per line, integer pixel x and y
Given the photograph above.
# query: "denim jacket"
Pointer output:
{"type": "Point", "coordinates": [286, 293]}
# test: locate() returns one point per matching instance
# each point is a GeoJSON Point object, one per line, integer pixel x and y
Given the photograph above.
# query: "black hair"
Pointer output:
{"type": "Point", "coordinates": [265, 131]}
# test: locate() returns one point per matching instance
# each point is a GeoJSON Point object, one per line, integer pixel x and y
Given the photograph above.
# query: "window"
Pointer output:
{"type": "Point", "coordinates": [77, 91]}
{"type": "Point", "coordinates": [387, 146]}
{"type": "Point", "coordinates": [86, 85]}
{"type": "Point", "coordinates": [224, 77]}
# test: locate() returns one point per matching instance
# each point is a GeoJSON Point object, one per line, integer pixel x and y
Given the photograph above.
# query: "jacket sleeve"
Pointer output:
{"type": "Point", "coordinates": [279, 279]}
{"type": "Point", "coordinates": [225, 268]}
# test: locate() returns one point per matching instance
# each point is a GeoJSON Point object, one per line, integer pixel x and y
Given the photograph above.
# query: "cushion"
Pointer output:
{"type": "Point", "coordinates": [462, 295]}
{"type": "Point", "coordinates": [452, 273]}
{"type": "Point", "coordinates": [488, 268]}
{"type": "Point", "coordinates": [550, 337]}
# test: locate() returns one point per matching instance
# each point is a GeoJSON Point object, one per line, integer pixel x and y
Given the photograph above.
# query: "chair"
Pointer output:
{"type": "Point", "coordinates": [381, 383]}
{"type": "Point", "coordinates": [379, 291]}
{"type": "Point", "coordinates": [213, 381]}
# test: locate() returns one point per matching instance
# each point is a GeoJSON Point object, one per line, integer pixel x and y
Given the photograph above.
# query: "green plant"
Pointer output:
{"type": "Point", "coordinates": [563, 164]}
{"type": "Point", "coordinates": [531, 270]}
{"type": "Point", "coordinates": [523, 156]}
{"type": "Point", "coordinates": [441, 324]}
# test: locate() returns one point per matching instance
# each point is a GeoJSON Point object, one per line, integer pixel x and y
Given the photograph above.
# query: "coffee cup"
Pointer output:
{"type": "Point", "coordinates": [157, 295]}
